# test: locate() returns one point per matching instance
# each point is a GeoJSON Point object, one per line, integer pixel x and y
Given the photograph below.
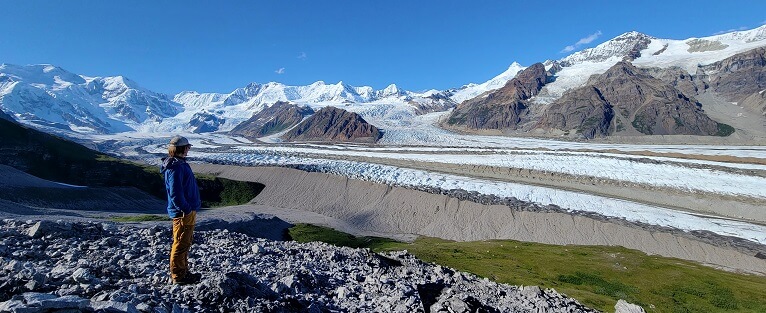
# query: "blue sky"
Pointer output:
{"type": "Point", "coordinates": [217, 46]}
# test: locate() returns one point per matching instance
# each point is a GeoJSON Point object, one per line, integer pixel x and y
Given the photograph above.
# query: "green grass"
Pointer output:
{"type": "Point", "coordinates": [140, 218]}
{"type": "Point", "coordinates": [308, 233]}
{"type": "Point", "coordinates": [597, 276]}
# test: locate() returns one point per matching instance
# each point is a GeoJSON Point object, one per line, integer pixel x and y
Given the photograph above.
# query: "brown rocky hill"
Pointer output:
{"type": "Point", "coordinates": [332, 124]}
{"type": "Point", "coordinates": [276, 118]}
{"type": "Point", "coordinates": [737, 77]}
{"type": "Point", "coordinates": [626, 98]}
{"type": "Point", "coordinates": [502, 108]}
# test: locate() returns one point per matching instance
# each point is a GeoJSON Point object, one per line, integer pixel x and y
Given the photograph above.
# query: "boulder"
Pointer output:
{"type": "Point", "coordinates": [623, 306]}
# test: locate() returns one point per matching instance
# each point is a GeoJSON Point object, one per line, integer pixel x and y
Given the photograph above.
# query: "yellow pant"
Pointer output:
{"type": "Point", "coordinates": [183, 231]}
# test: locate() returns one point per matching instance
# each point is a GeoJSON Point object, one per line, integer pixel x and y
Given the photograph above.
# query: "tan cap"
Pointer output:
{"type": "Point", "coordinates": [179, 141]}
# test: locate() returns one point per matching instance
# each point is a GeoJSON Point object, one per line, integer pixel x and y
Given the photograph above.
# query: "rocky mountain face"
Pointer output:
{"type": "Point", "coordinates": [737, 77]}
{"type": "Point", "coordinates": [276, 118]}
{"type": "Point", "coordinates": [205, 122]}
{"type": "Point", "coordinates": [436, 102]}
{"type": "Point", "coordinates": [627, 97]}
{"type": "Point", "coordinates": [584, 111]}
{"type": "Point", "coordinates": [756, 102]}
{"type": "Point", "coordinates": [332, 124]}
{"type": "Point", "coordinates": [680, 79]}
{"type": "Point", "coordinates": [502, 108]}
{"type": "Point", "coordinates": [106, 267]}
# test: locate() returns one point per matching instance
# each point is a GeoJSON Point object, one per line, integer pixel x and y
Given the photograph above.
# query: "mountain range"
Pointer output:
{"type": "Point", "coordinates": [729, 65]}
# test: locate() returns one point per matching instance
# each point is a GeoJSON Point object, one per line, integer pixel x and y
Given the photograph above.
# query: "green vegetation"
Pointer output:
{"type": "Point", "coordinates": [596, 276]}
{"type": "Point", "coordinates": [456, 120]}
{"type": "Point", "coordinates": [308, 233]}
{"type": "Point", "coordinates": [640, 125]}
{"type": "Point", "coordinates": [53, 158]}
{"type": "Point", "coordinates": [724, 130]}
{"type": "Point", "coordinates": [141, 218]}
{"type": "Point", "coordinates": [218, 192]}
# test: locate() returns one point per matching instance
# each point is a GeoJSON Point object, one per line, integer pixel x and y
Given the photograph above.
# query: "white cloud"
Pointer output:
{"type": "Point", "coordinates": [281, 70]}
{"type": "Point", "coordinates": [583, 41]}
{"type": "Point", "coordinates": [732, 30]}
{"type": "Point", "coordinates": [589, 39]}
{"type": "Point", "coordinates": [302, 56]}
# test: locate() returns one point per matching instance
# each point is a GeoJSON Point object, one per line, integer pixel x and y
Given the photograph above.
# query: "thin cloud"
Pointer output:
{"type": "Point", "coordinates": [302, 56]}
{"type": "Point", "coordinates": [582, 41]}
{"type": "Point", "coordinates": [732, 30]}
{"type": "Point", "coordinates": [280, 71]}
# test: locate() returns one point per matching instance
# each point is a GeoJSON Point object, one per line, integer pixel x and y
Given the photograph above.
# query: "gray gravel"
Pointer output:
{"type": "Point", "coordinates": [106, 267]}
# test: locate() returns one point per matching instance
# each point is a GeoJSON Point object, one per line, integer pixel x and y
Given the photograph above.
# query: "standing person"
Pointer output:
{"type": "Point", "coordinates": [183, 203]}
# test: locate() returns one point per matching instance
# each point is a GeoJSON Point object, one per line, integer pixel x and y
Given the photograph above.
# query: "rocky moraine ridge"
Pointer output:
{"type": "Point", "coordinates": [105, 267]}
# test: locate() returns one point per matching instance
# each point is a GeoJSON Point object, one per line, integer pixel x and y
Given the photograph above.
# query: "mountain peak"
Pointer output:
{"type": "Point", "coordinates": [625, 46]}
{"type": "Point", "coordinates": [41, 73]}
{"type": "Point", "coordinates": [631, 34]}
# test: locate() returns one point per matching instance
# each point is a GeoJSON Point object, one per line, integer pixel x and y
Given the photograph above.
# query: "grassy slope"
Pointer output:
{"type": "Point", "coordinates": [141, 218]}
{"type": "Point", "coordinates": [594, 275]}
{"type": "Point", "coordinates": [52, 158]}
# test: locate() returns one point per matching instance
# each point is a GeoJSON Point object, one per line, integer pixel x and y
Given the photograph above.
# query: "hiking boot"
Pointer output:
{"type": "Point", "coordinates": [190, 278]}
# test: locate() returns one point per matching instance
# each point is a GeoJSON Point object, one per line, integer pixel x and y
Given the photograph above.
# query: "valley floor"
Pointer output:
{"type": "Point", "coordinates": [693, 187]}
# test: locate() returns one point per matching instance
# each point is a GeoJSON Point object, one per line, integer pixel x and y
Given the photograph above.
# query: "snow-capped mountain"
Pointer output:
{"type": "Point", "coordinates": [259, 95]}
{"type": "Point", "coordinates": [47, 95]}
{"type": "Point", "coordinates": [626, 45]}
{"type": "Point", "coordinates": [239, 105]}
{"type": "Point", "coordinates": [472, 90]}
{"type": "Point", "coordinates": [643, 50]}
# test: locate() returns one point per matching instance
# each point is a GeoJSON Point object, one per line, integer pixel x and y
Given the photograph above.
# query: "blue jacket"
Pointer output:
{"type": "Point", "coordinates": [181, 186]}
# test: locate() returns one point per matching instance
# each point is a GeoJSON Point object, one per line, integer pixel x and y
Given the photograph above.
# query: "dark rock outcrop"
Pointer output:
{"type": "Point", "coordinates": [5, 116]}
{"type": "Point", "coordinates": [648, 104]}
{"type": "Point", "coordinates": [332, 124]}
{"type": "Point", "coordinates": [204, 122]}
{"type": "Point", "coordinates": [738, 76]}
{"type": "Point", "coordinates": [434, 103]}
{"type": "Point", "coordinates": [276, 118]}
{"type": "Point", "coordinates": [502, 108]}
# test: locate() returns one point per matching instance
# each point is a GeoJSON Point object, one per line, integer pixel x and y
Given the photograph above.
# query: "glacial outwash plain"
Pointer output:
{"type": "Point", "coordinates": [626, 177]}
